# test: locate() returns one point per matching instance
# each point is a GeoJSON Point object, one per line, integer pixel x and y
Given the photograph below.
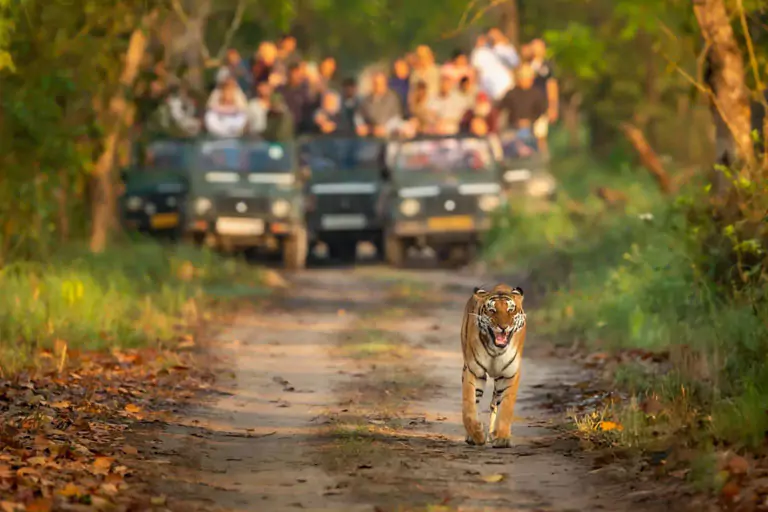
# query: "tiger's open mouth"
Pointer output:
{"type": "Point", "coordinates": [500, 339]}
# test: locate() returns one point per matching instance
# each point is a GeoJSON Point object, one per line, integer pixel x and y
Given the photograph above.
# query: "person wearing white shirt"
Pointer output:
{"type": "Point", "coordinates": [494, 78]}
{"type": "Point", "coordinates": [503, 48]}
{"type": "Point", "coordinates": [226, 117]}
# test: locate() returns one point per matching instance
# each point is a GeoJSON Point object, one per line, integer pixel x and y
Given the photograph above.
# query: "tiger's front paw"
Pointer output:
{"type": "Point", "coordinates": [476, 435]}
{"type": "Point", "coordinates": [502, 442]}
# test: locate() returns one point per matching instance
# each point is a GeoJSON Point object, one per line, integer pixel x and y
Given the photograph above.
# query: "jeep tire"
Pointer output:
{"type": "Point", "coordinates": [295, 250]}
{"type": "Point", "coordinates": [394, 250]}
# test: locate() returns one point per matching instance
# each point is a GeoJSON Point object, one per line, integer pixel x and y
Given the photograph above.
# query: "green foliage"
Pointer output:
{"type": "Point", "coordinates": [127, 296]}
{"type": "Point", "coordinates": [618, 281]}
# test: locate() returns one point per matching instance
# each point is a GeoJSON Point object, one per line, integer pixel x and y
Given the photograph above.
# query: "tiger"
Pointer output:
{"type": "Point", "coordinates": [492, 337]}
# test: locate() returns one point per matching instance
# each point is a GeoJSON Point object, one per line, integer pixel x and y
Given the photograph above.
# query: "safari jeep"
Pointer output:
{"type": "Point", "coordinates": [247, 194]}
{"type": "Point", "coordinates": [343, 192]}
{"type": "Point", "coordinates": [524, 170]}
{"type": "Point", "coordinates": [155, 187]}
{"type": "Point", "coordinates": [441, 193]}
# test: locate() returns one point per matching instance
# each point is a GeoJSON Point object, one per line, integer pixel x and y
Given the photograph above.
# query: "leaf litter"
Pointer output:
{"type": "Point", "coordinates": [63, 427]}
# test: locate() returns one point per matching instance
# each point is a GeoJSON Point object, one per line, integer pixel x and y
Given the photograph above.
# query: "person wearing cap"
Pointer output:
{"type": "Point", "coordinates": [447, 107]}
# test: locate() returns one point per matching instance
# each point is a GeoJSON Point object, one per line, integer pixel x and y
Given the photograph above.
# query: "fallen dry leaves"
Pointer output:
{"type": "Point", "coordinates": [62, 433]}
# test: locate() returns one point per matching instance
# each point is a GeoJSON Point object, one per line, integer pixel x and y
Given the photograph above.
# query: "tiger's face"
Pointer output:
{"type": "Point", "coordinates": [502, 316]}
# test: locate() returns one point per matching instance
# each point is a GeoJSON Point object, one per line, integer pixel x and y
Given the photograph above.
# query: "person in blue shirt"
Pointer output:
{"type": "Point", "coordinates": [400, 82]}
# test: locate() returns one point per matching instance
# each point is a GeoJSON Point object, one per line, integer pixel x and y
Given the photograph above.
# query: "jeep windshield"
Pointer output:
{"type": "Point", "coordinates": [445, 155]}
{"type": "Point", "coordinates": [249, 156]}
{"type": "Point", "coordinates": [164, 156]}
{"type": "Point", "coordinates": [330, 154]}
{"type": "Point", "coordinates": [518, 144]}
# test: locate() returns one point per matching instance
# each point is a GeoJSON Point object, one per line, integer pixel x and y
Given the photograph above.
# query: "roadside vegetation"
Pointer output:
{"type": "Point", "coordinates": [137, 294]}
{"type": "Point", "coordinates": [653, 257]}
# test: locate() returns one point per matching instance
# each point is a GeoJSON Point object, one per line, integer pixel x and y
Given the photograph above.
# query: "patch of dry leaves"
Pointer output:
{"type": "Point", "coordinates": [63, 427]}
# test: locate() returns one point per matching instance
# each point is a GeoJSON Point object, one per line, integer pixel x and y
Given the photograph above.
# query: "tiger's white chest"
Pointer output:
{"type": "Point", "coordinates": [505, 364]}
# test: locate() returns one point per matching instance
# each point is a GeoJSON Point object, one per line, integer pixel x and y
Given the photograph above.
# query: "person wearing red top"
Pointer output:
{"type": "Point", "coordinates": [483, 109]}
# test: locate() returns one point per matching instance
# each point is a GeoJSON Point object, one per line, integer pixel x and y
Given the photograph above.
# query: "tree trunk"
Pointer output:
{"type": "Point", "coordinates": [730, 94]}
{"type": "Point", "coordinates": [571, 108]}
{"type": "Point", "coordinates": [62, 207]}
{"type": "Point", "coordinates": [510, 21]}
{"type": "Point", "coordinates": [104, 199]}
{"type": "Point", "coordinates": [648, 156]}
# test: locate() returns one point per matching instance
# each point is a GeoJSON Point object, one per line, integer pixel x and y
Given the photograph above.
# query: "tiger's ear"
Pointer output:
{"type": "Point", "coordinates": [519, 291]}
{"type": "Point", "coordinates": [478, 290]}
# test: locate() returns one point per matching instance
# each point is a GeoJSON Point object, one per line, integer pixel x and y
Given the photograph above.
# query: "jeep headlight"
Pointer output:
{"type": "Point", "coordinates": [202, 205]}
{"type": "Point", "coordinates": [134, 203]}
{"type": "Point", "coordinates": [489, 202]}
{"type": "Point", "coordinates": [541, 186]}
{"type": "Point", "coordinates": [410, 207]}
{"type": "Point", "coordinates": [281, 208]}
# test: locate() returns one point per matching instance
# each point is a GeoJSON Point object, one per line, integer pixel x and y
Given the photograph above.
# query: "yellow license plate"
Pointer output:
{"type": "Point", "coordinates": [455, 223]}
{"type": "Point", "coordinates": [164, 220]}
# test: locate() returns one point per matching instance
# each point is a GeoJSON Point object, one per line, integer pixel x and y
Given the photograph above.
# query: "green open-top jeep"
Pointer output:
{"type": "Point", "coordinates": [343, 192]}
{"type": "Point", "coordinates": [524, 170]}
{"type": "Point", "coordinates": [155, 187]}
{"type": "Point", "coordinates": [247, 194]}
{"type": "Point", "coordinates": [441, 193]}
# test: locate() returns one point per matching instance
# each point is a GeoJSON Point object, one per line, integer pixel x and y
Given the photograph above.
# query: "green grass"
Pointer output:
{"type": "Point", "coordinates": [616, 281]}
{"type": "Point", "coordinates": [129, 296]}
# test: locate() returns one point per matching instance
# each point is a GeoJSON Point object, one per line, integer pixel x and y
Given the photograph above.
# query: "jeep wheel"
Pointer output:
{"type": "Point", "coordinates": [295, 249]}
{"type": "Point", "coordinates": [394, 250]}
{"type": "Point", "coordinates": [378, 243]}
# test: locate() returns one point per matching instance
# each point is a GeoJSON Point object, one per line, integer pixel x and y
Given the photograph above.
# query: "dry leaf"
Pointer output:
{"type": "Point", "coordinates": [738, 465]}
{"type": "Point", "coordinates": [103, 463]}
{"type": "Point", "coordinates": [730, 490]}
{"type": "Point", "coordinates": [40, 505]}
{"type": "Point", "coordinates": [158, 500]}
{"type": "Point", "coordinates": [8, 506]}
{"type": "Point", "coordinates": [70, 490]}
{"type": "Point", "coordinates": [37, 461]}
{"type": "Point", "coordinates": [64, 404]}
{"type": "Point", "coordinates": [129, 450]}
{"type": "Point", "coordinates": [607, 426]}
{"type": "Point", "coordinates": [133, 408]}
{"type": "Point", "coordinates": [492, 479]}
{"type": "Point", "coordinates": [26, 471]}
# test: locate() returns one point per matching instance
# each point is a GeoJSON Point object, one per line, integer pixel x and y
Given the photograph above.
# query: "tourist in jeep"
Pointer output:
{"type": "Point", "coordinates": [380, 113]}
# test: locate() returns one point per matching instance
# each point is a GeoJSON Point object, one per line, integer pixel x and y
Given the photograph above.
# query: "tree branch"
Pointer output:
{"type": "Point", "coordinates": [237, 20]}
{"type": "Point", "coordinates": [464, 24]}
{"type": "Point", "coordinates": [648, 156]}
{"type": "Point", "coordinates": [179, 10]}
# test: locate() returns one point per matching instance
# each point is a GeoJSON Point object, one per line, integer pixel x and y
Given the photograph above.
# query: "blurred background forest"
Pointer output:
{"type": "Point", "coordinates": [657, 241]}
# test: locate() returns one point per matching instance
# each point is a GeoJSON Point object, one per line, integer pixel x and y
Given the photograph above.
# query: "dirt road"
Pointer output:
{"type": "Point", "coordinates": [345, 395]}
